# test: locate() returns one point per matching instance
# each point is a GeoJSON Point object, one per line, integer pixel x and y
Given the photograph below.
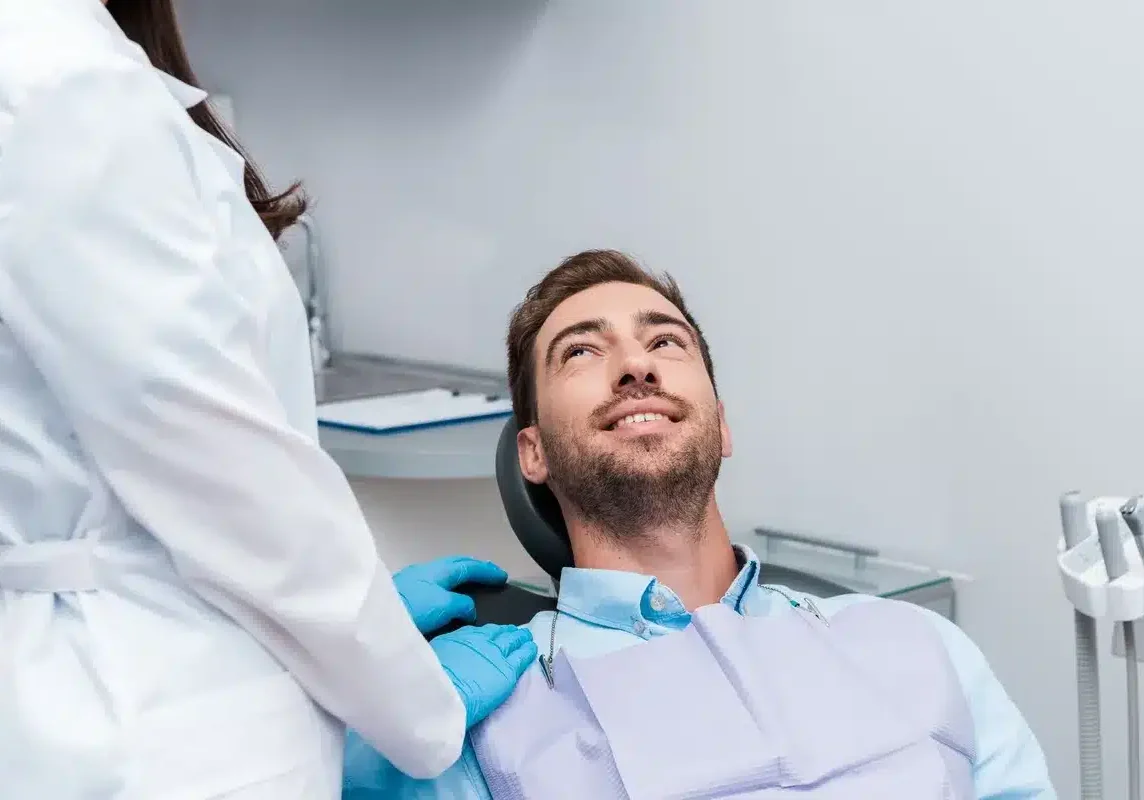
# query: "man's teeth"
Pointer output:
{"type": "Point", "coordinates": [632, 419]}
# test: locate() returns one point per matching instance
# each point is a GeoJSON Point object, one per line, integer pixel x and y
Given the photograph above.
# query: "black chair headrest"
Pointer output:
{"type": "Point", "coordinates": [532, 509]}
{"type": "Point", "coordinates": [499, 605]}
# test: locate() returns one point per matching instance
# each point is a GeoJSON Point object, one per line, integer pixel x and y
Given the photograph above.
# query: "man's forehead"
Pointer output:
{"type": "Point", "coordinates": [616, 303]}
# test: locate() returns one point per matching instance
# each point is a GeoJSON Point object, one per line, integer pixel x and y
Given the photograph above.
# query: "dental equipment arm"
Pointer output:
{"type": "Point", "coordinates": [1075, 527]}
{"type": "Point", "coordinates": [1129, 512]}
{"type": "Point", "coordinates": [1102, 568]}
{"type": "Point", "coordinates": [1116, 564]}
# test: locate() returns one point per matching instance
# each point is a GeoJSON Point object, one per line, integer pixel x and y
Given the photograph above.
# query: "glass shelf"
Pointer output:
{"type": "Point", "coordinates": [854, 568]}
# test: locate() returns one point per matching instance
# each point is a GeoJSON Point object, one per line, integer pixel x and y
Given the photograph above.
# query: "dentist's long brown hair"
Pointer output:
{"type": "Point", "coordinates": [153, 25]}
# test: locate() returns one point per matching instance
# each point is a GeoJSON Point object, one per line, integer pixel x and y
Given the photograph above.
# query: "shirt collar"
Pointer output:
{"type": "Point", "coordinates": [187, 95]}
{"type": "Point", "coordinates": [640, 604]}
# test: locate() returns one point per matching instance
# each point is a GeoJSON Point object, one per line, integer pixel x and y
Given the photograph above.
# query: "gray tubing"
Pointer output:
{"type": "Point", "coordinates": [1116, 563]}
{"type": "Point", "coordinates": [1133, 711]}
{"type": "Point", "coordinates": [1130, 512]}
{"type": "Point", "coordinates": [1075, 525]}
{"type": "Point", "coordinates": [1088, 697]}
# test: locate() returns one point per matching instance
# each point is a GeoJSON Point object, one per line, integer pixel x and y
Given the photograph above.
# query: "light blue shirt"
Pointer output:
{"type": "Point", "coordinates": [602, 611]}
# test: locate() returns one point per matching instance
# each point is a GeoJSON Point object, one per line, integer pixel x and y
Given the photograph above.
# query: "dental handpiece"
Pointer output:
{"type": "Point", "coordinates": [1133, 513]}
{"type": "Point", "coordinates": [1111, 543]}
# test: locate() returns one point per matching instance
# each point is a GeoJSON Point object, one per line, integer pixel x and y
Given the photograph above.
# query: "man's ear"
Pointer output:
{"type": "Point", "coordinates": [530, 453]}
{"type": "Point", "coordinates": [724, 431]}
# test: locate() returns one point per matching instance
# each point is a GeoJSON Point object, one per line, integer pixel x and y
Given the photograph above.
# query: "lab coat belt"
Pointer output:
{"type": "Point", "coordinates": [49, 567]}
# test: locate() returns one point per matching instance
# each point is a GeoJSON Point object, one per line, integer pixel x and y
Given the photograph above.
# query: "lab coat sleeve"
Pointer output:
{"type": "Point", "coordinates": [109, 279]}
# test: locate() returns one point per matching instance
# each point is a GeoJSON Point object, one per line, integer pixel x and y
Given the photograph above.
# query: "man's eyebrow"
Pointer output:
{"type": "Point", "coordinates": [650, 319]}
{"type": "Point", "coordinates": [598, 325]}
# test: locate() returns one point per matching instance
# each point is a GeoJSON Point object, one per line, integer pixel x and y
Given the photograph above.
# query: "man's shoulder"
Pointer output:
{"type": "Point", "coordinates": [945, 627]}
{"type": "Point", "coordinates": [967, 659]}
{"type": "Point", "coordinates": [837, 603]}
{"type": "Point", "coordinates": [957, 643]}
{"type": "Point", "coordinates": [834, 605]}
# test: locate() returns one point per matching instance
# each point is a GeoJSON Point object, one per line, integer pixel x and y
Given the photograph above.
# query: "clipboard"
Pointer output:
{"type": "Point", "coordinates": [411, 411]}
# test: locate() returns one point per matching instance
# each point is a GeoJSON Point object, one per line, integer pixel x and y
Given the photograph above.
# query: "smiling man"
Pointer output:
{"type": "Point", "coordinates": [616, 380]}
{"type": "Point", "coordinates": [736, 688]}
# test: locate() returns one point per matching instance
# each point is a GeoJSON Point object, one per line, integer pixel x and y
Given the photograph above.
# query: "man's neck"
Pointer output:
{"type": "Point", "coordinates": [699, 566]}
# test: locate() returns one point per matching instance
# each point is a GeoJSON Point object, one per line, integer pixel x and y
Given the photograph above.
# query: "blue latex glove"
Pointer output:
{"type": "Point", "coordinates": [426, 589]}
{"type": "Point", "coordinates": [485, 664]}
{"type": "Point", "coordinates": [365, 770]}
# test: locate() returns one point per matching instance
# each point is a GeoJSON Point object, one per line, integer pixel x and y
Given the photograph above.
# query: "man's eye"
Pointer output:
{"type": "Point", "coordinates": [575, 350]}
{"type": "Point", "coordinates": [667, 338]}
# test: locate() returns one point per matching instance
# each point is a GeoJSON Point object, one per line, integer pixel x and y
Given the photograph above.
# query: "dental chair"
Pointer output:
{"type": "Point", "coordinates": [536, 520]}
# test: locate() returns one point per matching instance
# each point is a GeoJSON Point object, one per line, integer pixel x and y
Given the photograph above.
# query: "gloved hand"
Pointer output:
{"type": "Point", "coordinates": [425, 589]}
{"type": "Point", "coordinates": [485, 664]}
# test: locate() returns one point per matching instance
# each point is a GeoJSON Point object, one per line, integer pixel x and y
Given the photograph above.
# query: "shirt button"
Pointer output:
{"type": "Point", "coordinates": [640, 628]}
{"type": "Point", "coordinates": [658, 603]}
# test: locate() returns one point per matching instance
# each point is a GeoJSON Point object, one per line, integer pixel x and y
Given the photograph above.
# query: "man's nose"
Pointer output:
{"type": "Point", "coordinates": [635, 367]}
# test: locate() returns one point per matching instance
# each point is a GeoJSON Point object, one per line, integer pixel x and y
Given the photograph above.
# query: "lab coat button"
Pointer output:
{"type": "Point", "coordinates": [658, 603]}
{"type": "Point", "coordinates": [640, 628]}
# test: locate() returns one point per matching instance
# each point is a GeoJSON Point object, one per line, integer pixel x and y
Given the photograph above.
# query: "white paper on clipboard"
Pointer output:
{"type": "Point", "coordinates": [407, 411]}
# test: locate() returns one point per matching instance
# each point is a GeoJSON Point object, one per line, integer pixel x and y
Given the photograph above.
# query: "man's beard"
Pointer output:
{"type": "Point", "coordinates": [622, 498]}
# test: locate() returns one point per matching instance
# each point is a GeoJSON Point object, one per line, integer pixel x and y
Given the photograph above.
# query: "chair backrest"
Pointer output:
{"type": "Point", "coordinates": [503, 605]}
{"type": "Point", "coordinates": [536, 520]}
{"type": "Point", "coordinates": [531, 509]}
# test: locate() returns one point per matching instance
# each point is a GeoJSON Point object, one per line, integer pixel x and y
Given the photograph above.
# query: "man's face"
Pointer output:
{"type": "Point", "coordinates": [629, 430]}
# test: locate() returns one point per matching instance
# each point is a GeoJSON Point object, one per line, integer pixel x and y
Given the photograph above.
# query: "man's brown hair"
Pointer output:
{"type": "Point", "coordinates": [574, 275]}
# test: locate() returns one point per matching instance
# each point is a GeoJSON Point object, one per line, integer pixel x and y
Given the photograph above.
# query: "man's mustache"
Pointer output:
{"type": "Point", "coordinates": [640, 392]}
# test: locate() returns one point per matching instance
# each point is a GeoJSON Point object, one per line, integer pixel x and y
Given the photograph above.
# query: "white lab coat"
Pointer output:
{"type": "Point", "coordinates": [178, 557]}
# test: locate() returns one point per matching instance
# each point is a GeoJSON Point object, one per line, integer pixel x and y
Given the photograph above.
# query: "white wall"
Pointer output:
{"type": "Point", "coordinates": [912, 230]}
{"type": "Point", "coordinates": [420, 520]}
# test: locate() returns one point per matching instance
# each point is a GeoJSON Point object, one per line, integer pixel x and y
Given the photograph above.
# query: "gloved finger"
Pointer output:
{"type": "Point", "coordinates": [452, 572]}
{"type": "Point", "coordinates": [493, 633]}
{"type": "Point", "coordinates": [522, 658]}
{"type": "Point", "coordinates": [458, 607]}
{"type": "Point", "coordinates": [508, 641]}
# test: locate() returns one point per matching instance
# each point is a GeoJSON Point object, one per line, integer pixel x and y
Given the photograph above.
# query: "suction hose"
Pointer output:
{"type": "Point", "coordinates": [1075, 526]}
{"type": "Point", "coordinates": [1135, 524]}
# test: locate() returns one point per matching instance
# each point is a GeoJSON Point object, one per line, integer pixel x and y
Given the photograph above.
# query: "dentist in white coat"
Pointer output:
{"type": "Point", "coordinates": [191, 603]}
